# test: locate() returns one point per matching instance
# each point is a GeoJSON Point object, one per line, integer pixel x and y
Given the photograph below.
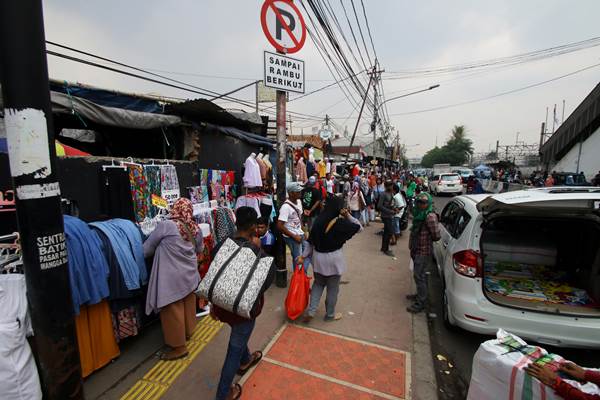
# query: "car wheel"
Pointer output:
{"type": "Point", "coordinates": [448, 320]}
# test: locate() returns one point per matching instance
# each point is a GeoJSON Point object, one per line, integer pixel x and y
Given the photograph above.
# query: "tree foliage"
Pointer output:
{"type": "Point", "coordinates": [456, 151]}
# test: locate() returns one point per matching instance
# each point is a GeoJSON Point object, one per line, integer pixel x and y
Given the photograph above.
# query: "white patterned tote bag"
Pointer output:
{"type": "Point", "coordinates": [235, 279]}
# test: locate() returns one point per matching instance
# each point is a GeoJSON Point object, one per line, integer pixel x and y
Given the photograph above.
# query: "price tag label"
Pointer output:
{"type": "Point", "coordinates": [159, 202]}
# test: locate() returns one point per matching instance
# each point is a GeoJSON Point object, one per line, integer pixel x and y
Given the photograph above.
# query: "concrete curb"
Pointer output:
{"type": "Point", "coordinates": [424, 381]}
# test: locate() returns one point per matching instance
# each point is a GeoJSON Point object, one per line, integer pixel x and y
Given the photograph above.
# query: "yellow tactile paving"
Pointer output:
{"type": "Point", "coordinates": [160, 377]}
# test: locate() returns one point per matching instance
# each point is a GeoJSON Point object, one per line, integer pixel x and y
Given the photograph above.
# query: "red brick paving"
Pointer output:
{"type": "Point", "coordinates": [364, 365]}
{"type": "Point", "coordinates": [272, 382]}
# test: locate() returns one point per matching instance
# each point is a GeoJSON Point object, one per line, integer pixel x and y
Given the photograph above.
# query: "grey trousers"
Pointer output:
{"type": "Point", "coordinates": [421, 265]}
{"type": "Point", "coordinates": [332, 283]}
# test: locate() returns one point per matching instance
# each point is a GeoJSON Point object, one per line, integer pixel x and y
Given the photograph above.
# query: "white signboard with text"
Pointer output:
{"type": "Point", "coordinates": [284, 73]}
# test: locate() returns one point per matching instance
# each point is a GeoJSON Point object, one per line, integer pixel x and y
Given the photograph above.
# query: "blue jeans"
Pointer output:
{"type": "Point", "coordinates": [397, 230]}
{"type": "Point", "coordinates": [237, 354]}
{"type": "Point", "coordinates": [297, 249]}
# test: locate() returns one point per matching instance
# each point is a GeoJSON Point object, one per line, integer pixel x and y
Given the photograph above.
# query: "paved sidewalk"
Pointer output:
{"type": "Point", "coordinates": [377, 351]}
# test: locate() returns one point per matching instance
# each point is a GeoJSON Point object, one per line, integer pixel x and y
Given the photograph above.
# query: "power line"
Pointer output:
{"type": "Point", "coordinates": [498, 94]}
{"type": "Point", "coordinates": [368, 28]}
{"type": "Point", "coordinates": [207, 92]}
{"type": "Point", "coordinates": [508, 60]}
{"type": "Point", "coordinates": [361, 33]}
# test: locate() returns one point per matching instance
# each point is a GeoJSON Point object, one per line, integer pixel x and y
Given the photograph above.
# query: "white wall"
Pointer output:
{"type": "Point", "coordinates": [590, 157]}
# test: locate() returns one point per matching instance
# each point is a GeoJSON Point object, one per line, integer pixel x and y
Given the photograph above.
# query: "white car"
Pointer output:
{"type": "Point", "coordinates": [446, 183]}
{"type": "Point", "coordinates": [526, 261]}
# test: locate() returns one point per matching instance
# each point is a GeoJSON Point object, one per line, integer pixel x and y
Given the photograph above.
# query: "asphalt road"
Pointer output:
{"type": "Point", "coordinates": [453, 350]}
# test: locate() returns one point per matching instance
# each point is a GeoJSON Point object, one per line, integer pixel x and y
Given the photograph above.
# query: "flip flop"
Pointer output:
{"type": "Point", "coordinates": [256, 357]}
{"type": "Point", "coordinates": [239, 392]}
{"type": "Point", "coordinates": [168, 357]}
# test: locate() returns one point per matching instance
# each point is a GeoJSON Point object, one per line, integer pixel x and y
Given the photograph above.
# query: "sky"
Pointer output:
{"type": "Point", "coordinates": [218, 45]}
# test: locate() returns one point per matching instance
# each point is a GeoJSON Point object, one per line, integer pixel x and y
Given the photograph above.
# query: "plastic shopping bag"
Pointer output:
{"type": "Point", "coordinates": [298, 294]}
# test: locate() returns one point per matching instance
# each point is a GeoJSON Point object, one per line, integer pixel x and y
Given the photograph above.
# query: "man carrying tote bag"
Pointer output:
{"type": "Point", "coordinates": [235, 284]}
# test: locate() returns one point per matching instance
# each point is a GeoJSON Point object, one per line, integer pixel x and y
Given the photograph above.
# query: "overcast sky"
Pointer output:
{"type": "Point", "coordinates": [219, 45]}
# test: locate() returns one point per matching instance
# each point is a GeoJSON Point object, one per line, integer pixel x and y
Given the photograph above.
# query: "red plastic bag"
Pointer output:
{"type": "Point", "coordinates": [298, 294]}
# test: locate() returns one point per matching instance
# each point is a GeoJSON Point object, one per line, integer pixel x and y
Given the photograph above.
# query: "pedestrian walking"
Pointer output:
{"type": "Point", "coordinates": [239, 360]}
{"type": "Point", "coordinates": [175, 244]}
{"type": "Point", "coordinates": [400, 205]}
{"type": "Point", "coordinates": [334, 227]}
{"type": "Point", "coordinates": [424, 231]}
{"type": "Point", "coordinates": [356, 201]}
{"type": "Point", "coordinates": [387, 211]}
{"type": "Point", "coordinates": [312, 198]}
{"type": "Point", "coordinates": [289, 222]}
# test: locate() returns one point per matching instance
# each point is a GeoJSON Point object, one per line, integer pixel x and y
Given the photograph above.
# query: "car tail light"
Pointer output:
{"type": "Point", "coordinates": [468, 263]}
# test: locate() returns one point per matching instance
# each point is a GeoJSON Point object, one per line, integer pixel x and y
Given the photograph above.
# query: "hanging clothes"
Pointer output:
{"type": "Point", "coordinates": [322, 169]}
{"type": "Point", "coordinates": [224, 224]}
{"type": "Point", "coordinates": [262, 167]}
{"type": "Point", "coordinates": [95, 337]}
{"type": "Point", "coordinates": [115, 189]}
{"type": "Point", "coordinates": [252, 176]}
{"type": "Point", "coordinates": [88, 268]}
{"type": "Point", "coordinates": [328, 167]}
{"type": "Point", "coordinates": [249, 201]}
{"type": "Point", "coordinates": [301, 175]}
{"type": "Point", "coordinates": [139, 191]}
{"type": "Point", "coordinates": [169, 186]}
{"type": "Point", "coordinates": [126, 241]}
{"type": "Point", "coordinates": [18, 372]}
{"type": "Point", "coordinates": [153, 179]}
{"type": "Point", "coordinates": [310, 168]}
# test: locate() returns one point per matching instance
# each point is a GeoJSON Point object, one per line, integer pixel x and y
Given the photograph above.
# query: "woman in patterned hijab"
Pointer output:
{"type": "Point", "coordinates": [183, 215]}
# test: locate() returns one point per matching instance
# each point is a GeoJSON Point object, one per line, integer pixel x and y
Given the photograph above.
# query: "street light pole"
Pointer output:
{"type": "Point", "coordinates": [410, 94]}
{"type": "Point", "coordinates": [30, 137]}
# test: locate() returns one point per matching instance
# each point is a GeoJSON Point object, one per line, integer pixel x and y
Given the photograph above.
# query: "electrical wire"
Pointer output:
{"type": "Point", "coordinates": [498, 94]}
{"type": "Point", "coordinates": [361, 33]}
{"type": "Point", "coordinates": [368, 28]}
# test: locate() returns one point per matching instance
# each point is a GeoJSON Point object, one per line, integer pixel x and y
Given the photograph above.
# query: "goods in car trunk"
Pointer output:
{"type": "Point", "coordinates": [543, 264]}
{"type": "Point", "coordinates": [534, 283]}
{"type": "Point", "coordinates": [498, 371]}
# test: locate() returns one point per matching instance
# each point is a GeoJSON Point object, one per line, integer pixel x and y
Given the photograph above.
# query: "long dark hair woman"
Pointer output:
{"type": "Point", "coordinates": [331, 230]}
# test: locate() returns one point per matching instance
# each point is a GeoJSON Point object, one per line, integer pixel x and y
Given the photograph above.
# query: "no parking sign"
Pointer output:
{"type": "Point", "coordinates": [283, 25]}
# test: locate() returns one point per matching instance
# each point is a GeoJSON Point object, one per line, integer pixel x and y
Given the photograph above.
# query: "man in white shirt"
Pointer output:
{"type": "Point", "coordinates": [400, 204]}
{"type": "Point", "coordinates": [289, 222]}
{"type": "Point", "coordinates": [329, 184]}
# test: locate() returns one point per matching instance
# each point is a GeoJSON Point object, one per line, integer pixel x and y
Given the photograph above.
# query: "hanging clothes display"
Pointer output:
{"type": "Point", "coordinates": [328, 167]}
{"type": "Point", "coordinates": [88, 269]}
{"type": "Point", "coordinates": [95, 337]}
{"type": "Point", "coordinates": [126, 241]}
{"type": "Point", "coordinates": [252, 176]}
{"type": "Point", "coordinates": [115, 189]}
{"type": "Point", "coordinates": [301, 173]}
{"type": "Point", "coordinates": [153, 179]}
{"type": "Point", "coordinates": [321, 169]}
{"type": "Point", "coordinates": [169, 184]}
{"type": "Point", "coordinates": [262, 167]}
{"type": "Point", "coordinates": [18, 372]}
{"type": "Point", "coordinates": [198, 194]}
{"type": "Point", "coordinates": [139, 191]}
{"type": "Point", "coordinates": [310, 168]}
{"type": "Point", "coordinates": [224, 224]}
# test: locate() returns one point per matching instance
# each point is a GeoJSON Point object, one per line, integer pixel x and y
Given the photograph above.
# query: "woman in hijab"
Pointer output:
{"type": "Point", "coordinates": [334, 227]}
{"type": "Point", "coordinates": [174, 277]}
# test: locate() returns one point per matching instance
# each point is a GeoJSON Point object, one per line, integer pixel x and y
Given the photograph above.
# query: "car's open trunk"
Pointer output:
{"type": "Point", "coordinates": [543, 264]}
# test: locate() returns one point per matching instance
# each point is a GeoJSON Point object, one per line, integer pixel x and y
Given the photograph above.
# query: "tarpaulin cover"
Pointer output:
{"type": "Point", "coordinates": [109, 99]}
{"type": "Point", "coordinates": [110, 116]}
{"type": "Point", "coordinates": [243, 135]}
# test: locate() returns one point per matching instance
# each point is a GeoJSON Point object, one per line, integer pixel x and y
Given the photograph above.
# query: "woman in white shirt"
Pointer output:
{"type": "Point", "coordinates": [356, 201]}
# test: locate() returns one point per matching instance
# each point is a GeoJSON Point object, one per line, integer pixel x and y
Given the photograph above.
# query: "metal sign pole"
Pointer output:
{"type": "Point", "coordinates": [30, 137]}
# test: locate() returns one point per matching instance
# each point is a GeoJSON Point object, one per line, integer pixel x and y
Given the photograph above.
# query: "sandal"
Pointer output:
{"type": "Point", "coordinates": [173, 355]}
{"type": "Point", "coordinates": [256, 357]}
{"type": "Point", "coordinates": [232, 392]}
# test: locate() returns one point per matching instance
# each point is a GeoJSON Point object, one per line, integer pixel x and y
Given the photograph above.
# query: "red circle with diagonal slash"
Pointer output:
{"type": "Point", "coordinates": [298, 42]}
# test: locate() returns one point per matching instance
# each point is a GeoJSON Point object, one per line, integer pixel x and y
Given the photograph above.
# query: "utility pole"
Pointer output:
{"type": "Point", "coordinates": [256, 95]}
{"type": "Point", "coordinates": [362, 107]}
{"type": "Point", "coordinates": [280, 258]}
{"type": "Point", "coordinates": [290, 118]}
{"type": "Point", "coordinates": [30, 137]}
{"type": "Point", "coordinates": [563, 113]}
{"type": "Point", "coordinates": [375, 75]}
